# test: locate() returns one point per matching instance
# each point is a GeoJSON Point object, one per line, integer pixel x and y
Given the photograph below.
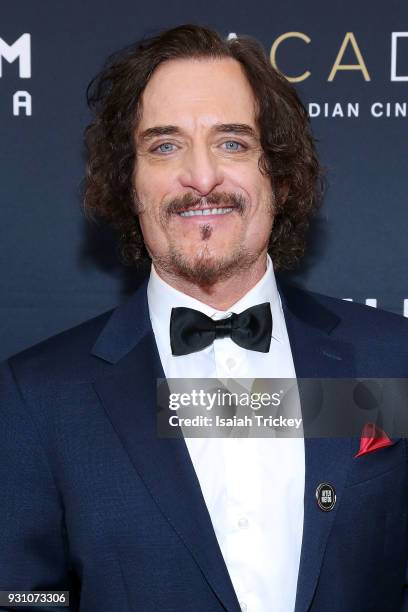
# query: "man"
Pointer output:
{"type": "Point", "coordinates": [200, 153]}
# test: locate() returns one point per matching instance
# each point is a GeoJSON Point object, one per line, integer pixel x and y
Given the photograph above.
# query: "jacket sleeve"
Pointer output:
{"type": "Point", "coordinates": [32, 538]}
{"type": "Point", "coordinates": [405, 600]}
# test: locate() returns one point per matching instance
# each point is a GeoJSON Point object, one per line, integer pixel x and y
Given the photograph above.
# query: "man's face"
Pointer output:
{"type": "Point", "coordinates": [204, 207]}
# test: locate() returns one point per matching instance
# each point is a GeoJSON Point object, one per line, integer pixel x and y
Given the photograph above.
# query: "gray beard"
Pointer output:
{"type": "Point", "coordinates": [205, 271]}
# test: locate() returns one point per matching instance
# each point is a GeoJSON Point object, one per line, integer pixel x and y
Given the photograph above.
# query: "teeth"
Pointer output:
{"type": "Point", "coordinates": [206, 211]}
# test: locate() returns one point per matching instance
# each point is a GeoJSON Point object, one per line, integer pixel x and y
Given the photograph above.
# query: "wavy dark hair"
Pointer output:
{"type": "Point", "coordinates": [288, 156]}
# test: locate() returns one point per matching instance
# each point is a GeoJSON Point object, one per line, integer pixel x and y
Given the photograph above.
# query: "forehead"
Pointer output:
{"type": "Point", "coordinates": [198, 91]}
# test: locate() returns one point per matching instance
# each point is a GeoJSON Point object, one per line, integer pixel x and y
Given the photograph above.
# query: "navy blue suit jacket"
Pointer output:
{"type": "Point", "coordinates": [93, 502]}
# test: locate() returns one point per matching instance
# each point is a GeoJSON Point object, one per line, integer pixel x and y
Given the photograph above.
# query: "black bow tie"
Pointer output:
{"type": "Point", "coordinates": [191, 330]}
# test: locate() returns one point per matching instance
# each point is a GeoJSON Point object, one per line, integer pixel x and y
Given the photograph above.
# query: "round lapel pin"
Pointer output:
{"type": "Point", "coordinates": [325, 496]}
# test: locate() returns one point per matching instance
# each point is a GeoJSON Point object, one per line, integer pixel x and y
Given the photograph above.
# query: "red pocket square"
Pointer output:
{"type": "Point", "coordinates": [372, 439]}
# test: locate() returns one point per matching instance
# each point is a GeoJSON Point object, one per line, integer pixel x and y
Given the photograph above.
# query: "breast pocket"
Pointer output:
{"type": "Point", "coordinates": [378, 462]}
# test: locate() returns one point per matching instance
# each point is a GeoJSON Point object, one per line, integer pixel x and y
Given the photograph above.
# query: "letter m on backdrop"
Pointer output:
{"type": "Point", "coordinates": [21, 50]}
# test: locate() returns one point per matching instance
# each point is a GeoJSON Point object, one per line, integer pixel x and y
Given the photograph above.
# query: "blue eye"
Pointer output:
{"type": "Point", "coordinates": [165, 147]}
{"type": "Point", "coordinates": [232, 145]}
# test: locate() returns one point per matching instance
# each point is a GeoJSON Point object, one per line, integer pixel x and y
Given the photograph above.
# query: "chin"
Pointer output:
{"type": "Point", "coordinates": [207, 266]}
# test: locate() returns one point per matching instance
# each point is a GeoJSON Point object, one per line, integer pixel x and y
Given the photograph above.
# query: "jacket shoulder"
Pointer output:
{"type": "Point", "coordinates": [349, 318]}
{"type": "Point", "coordinates": [64, 357]}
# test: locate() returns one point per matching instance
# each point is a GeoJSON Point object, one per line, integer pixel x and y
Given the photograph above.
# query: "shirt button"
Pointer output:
{"type": "Point", "coordinates": [231, 363]}
{"type": "Point", "coordinates": [243, 605]}
{"type": "Point", "coordinates": [243, 522]}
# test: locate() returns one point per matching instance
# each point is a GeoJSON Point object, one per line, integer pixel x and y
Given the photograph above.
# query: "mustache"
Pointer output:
{"type": "Point", "coordinates": [189, 200]}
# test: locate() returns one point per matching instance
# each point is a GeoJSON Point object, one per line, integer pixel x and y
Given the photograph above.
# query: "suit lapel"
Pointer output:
{"type": "Point", "coordinates": [128, 395]}
{"type": "Point", "coordinates": [327, 460]}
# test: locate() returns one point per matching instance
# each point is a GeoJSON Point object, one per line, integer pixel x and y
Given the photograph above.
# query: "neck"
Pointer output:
{"type": "Point", "coordinates": [223, 294]}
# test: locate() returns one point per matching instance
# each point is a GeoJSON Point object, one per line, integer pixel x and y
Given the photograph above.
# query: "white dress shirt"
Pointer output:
{"type": "Point", "coordinates": [253, 487]}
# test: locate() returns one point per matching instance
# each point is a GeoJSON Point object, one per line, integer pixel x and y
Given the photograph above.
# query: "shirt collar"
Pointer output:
{"type": "Point", "coordinates": [162, 297]}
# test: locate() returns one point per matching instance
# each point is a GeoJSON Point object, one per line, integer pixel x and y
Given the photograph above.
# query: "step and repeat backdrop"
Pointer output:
{"type": "Point", "coordinates": [349, 61]}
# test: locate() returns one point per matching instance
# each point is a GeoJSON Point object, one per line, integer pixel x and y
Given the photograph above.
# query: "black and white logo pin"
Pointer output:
{"type": "Point", "coordinates": [326, 497]}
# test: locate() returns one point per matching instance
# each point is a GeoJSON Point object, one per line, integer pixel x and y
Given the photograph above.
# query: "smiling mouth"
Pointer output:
{"type": "Point", "coordinates": [205, 211]}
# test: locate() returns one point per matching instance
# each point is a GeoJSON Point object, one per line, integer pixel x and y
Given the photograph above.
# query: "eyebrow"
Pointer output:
{"type": "Point", "coordinates": [159, 130]}
{"type": "Point", "coordinates": [219, 128]}
{"type": "Point", "coordinates": [235, 128]}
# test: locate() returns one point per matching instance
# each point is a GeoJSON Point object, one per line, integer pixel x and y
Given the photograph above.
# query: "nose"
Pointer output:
{"type": "Point", "coordinates": [200, 170]}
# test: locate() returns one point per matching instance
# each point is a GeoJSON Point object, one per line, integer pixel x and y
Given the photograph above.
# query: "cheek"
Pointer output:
{"type": "Point", "coordinates": [153, 235]}
{"type": "Point", "coordinates": [249, 179]}
{"type": "Point", "coordinates": [153, 185]}
{"type": "Point", "coordinates": [261, 218]}
{"type": "Point", "coordinates": [149, 197]}
{"type": "Point", "coordinates": [266, 197]}
{"type": "Point", "coordinates": [145, 181]}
